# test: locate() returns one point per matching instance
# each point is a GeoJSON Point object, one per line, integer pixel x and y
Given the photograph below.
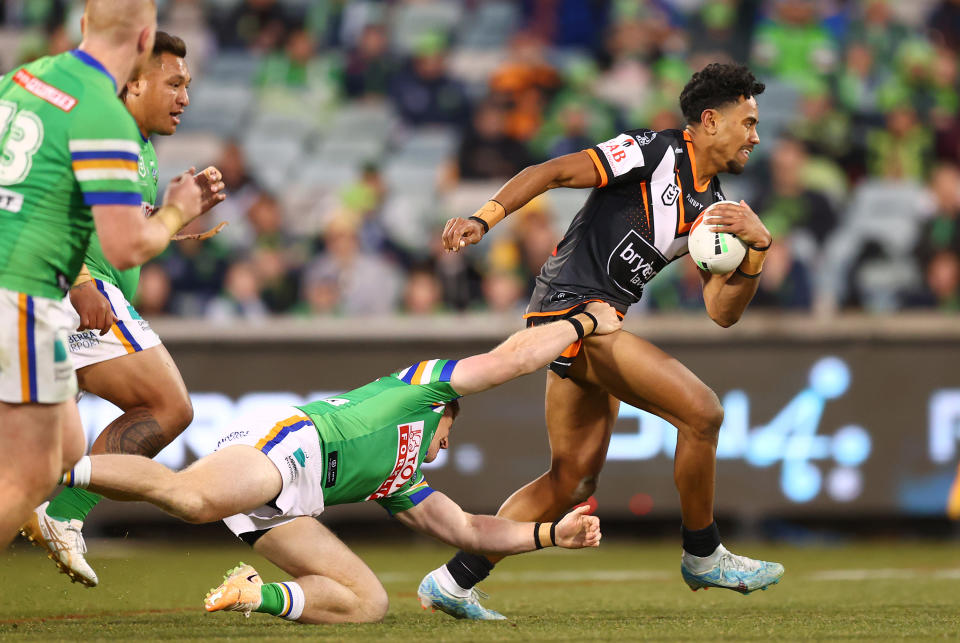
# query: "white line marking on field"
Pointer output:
{"type": "Point", "coordinates": [559, 576]}
{"type": "Point", "coordinates": [623, 576]}
{"type": "Point", "coordinates": [881, 574]}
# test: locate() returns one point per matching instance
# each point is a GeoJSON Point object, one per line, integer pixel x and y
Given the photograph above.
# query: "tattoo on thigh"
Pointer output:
{"type": "Point", "coordinates": [136, 432]}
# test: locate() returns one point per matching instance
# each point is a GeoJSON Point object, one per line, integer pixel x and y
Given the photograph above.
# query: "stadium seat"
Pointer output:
{"type": "Point", "coordinates": [326, 172]}
{"type": "Point", "coordinates": [177, 153]}
{"type": "Point", "coordinates": [412, 219]}
{"type": "Point", "coordinates": [885, 200]}
{"type": "Point", "coordinates": [489, 25]}
{"type": "Point", "coordinates": [778, 107]}
{"type": "Point", "coordinates": [411, 21]}
{"type": "Point", "coordinates": [272, 158]}
{"type": "Point", "coordinates": [218, 107]}
{"type": "Point", "coordinates": [883, 284]}
{"type": "Point", "coordinates": [362, 121]}
{"type": "Point", "coordinates": [232, 66]}
{"type": "Point", "coordinates": [429, 146]}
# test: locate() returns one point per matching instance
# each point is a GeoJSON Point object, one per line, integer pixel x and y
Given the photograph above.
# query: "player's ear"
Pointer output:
{"type": "Point", "coordinates": [135, 87]}
{"type": "Point", "coordinates": [145, 40]}
{"type": "Point", "coordinates": [710, 120]}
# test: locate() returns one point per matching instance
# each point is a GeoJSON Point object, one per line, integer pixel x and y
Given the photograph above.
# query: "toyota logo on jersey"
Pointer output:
{"type": "Point", "coordinates": [410, 437]}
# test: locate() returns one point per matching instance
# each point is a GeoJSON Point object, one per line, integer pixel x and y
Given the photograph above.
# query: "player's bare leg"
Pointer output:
{"type": "Point", "coordinates": [330, 583]}
{"type": "Point", "coordinates": [580, 417]}
{"type": "Point", "coordinates": [210, 489]}
{"type": "Point", "coordinates": [147, 386]}
{"type": "Point", "coordinates": [581, 411]}
{"type": "Point", "coordinates": [640, 374]}
{"type": "Point", "coordinates": [37, 442]}
{"type": "Point", "coordinates": [149, 389]}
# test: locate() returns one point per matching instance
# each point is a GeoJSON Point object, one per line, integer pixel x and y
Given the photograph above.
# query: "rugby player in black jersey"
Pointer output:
{"type": "Point", "coordinates": [647, 189]}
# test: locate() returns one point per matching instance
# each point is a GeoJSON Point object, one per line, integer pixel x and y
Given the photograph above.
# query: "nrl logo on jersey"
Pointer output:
{"type": "Point", "coordinates": [141, 167]}
{"type": "Point", "coordinates": [670, 194]}
{"type": "Point", "coordinates": [410, 436]}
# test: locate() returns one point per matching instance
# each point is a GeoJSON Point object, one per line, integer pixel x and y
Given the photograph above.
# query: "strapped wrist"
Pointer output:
{"type": "Point", "coordinates": [83, 277]}
{"type": "Point", "coordinates": [591, 318]}
{"type": "Point", "coordinates": [490, 214]}
{"type": "Point", "coordinates": [577, 326]}
{"type": "Point", "coordinates": [171, 216]}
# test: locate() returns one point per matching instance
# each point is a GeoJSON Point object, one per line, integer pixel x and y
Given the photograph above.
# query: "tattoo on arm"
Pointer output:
{"type": "Point", "coordinates": [136, 432]}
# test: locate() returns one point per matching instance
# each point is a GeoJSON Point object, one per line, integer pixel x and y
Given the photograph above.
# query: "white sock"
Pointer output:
{"type": "Point", "coordinates": [79, 476]}
{"type": "Point", "coordinates": [294, 609]}
{"type": "Point", "coordinates": [700, 564]}
{"type": "Point", "coordinates": [446, 582]}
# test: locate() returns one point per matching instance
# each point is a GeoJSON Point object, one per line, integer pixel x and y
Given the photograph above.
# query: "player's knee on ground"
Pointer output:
{"type": "Point", "coordinates": [374, 606]}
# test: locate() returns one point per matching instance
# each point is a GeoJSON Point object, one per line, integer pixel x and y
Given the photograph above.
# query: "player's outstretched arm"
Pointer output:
{"type": "Point", "coordinates": [440, 517]}
{"type": "Point", "coordinates": [575, 170]}
{"type": "Point", "coordinates": [527, 350]}
{"type": "Point", "coordinates": [129, 240]}
{"type": "Point", "coordinates": [727, 296]}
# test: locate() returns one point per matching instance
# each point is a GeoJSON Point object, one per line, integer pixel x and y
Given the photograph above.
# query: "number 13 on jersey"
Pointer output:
{"type": "Point", "coordinates": [21, 134]}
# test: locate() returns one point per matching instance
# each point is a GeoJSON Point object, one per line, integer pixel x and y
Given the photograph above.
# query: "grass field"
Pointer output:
{"type": "Point", "coordinates": [621, 591]}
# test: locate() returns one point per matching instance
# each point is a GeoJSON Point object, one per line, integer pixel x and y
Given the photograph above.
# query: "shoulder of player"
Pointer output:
{"type": "Point", "coordinates": [654, 138]}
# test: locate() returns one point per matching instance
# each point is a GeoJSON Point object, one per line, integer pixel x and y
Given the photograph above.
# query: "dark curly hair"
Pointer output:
{"type": "Point", "coordinates": [715, 85]}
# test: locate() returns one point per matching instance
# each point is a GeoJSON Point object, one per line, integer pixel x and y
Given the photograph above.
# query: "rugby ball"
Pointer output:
{"type": "Point", "coordinates": [716, 252]}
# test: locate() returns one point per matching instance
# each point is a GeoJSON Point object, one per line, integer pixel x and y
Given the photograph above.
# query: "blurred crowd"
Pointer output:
{"type": "Point", "coordinates": [348, 132]}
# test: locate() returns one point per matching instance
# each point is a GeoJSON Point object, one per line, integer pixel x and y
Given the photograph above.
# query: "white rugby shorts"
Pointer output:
{"type": "Point", "coordinates": [34, 363]}
{"type": "Point", "coordinates": [130, 334]}
{"type": "Point", "coordinates": [287, 436]}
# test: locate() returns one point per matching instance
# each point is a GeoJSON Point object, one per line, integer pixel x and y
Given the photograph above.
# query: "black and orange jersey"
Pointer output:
{"type": "Point", "coordinates": [632, 225]}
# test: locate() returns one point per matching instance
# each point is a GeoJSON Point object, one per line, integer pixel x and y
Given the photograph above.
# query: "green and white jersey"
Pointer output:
{"type": "Point", "coordinates": [127, 280]}
{"type": "Point", "coordinates": [66, 143]}
{"type": "Point", "coordinates": [375, 437]}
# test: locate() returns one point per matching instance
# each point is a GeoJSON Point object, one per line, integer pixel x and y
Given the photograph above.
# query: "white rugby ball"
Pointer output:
{"type": "Point", "coordinates": [716, 252]}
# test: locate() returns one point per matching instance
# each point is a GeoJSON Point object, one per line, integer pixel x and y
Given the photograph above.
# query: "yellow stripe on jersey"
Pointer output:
{"type": "Point", "coordinates": [24, 348]}
{"type": "Point", "coordinates": [105, 164]}
{"type": "Point", "coordinates": [418, 373]}
{"type": "Point", "coordinates": [279, 426]}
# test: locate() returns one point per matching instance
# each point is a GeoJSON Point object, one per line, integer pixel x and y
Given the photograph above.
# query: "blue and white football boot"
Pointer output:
{"type": "Point", "coordinates": [729, 571]}
{"type": "Point", "coordinates": [433, 596]}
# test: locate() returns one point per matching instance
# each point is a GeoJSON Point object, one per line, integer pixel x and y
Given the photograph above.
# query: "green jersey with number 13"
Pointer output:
{"type": "Point", "coordinates": [67, 143]}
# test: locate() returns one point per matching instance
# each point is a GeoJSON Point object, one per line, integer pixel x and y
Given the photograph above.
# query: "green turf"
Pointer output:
{"type": "Point", "coordinates": [621, 591]}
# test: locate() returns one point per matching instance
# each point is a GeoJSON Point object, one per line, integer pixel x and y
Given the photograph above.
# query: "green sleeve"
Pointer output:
{"type": "Point", "coordinates": [104, 148]}
{"type": "Point", "coordinates": [416, 492]}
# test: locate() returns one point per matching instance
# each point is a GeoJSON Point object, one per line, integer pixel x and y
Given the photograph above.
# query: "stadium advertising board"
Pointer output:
{"type": "Point", "coordinates": [829, 428]}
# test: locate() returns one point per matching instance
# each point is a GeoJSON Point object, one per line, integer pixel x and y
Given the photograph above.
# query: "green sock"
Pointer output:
{"type": "Point", "coordinates": [72, 504]}
{"type": "Point", "coordinates": [272, 599]}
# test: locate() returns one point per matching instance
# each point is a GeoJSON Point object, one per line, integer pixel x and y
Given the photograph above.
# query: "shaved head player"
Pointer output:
{"type": "Point", "coordinates": [117, 356]}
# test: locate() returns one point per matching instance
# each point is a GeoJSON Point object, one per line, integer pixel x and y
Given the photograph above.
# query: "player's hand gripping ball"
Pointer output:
{"type": "Point", "coordinates": [716, 252]}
